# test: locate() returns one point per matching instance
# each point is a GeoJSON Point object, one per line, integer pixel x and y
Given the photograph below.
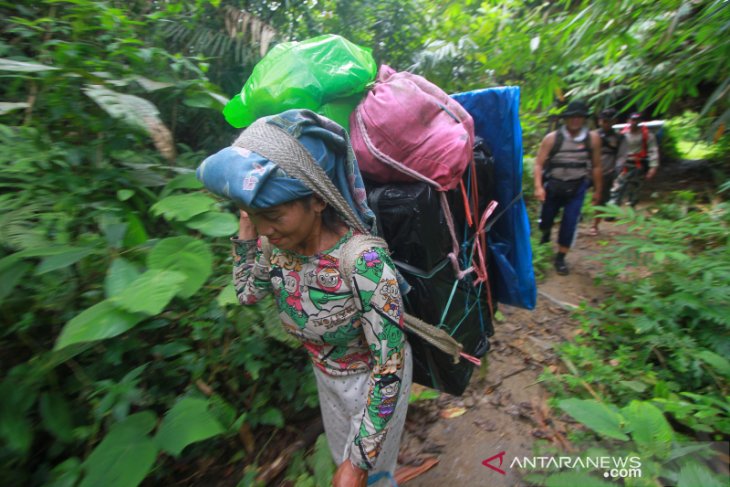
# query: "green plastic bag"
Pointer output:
{"type": "Point", "coordinates": [326, 74]}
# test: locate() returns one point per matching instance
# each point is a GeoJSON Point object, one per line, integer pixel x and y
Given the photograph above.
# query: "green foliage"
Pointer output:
{"type": "Point", "coordinates": [125, 455]}
{"type": "Point", "coordinates": [658, 57]}
{"type": "Point", "coordinates": [313, 470]}
{"type": "Point", "coordinates": [685, 137]}
{"type": "Point", "coordinates": [114, 291]}
{"type": "Point", "coordinates": [638, 433]}
{"type": "Point", "coordinates": [597, 416]}
{"type": "Point", "coordinates": [423, 394]}
{"type": "Point", "coordinates": [112, 266]}
{"type": "Point", "coordinates": [187, 422]}
{"type": "Point", "coordinates": [655, 351]}
{"type": "Point", "coordinates": [542, 255]}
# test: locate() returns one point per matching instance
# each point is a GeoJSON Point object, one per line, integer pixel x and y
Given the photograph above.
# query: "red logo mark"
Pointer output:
{"type": "Point", "coordinates": [499, 455]}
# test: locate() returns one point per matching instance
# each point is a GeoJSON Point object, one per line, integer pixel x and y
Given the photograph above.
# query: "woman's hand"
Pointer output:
{"type": "Point", "coordinates": [348, 475]}
{"type": "Point", "coordinates": [246, 228]}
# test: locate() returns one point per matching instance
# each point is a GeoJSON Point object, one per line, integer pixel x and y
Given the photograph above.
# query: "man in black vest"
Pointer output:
{"type": "Point", "coordinates": [569, 156]}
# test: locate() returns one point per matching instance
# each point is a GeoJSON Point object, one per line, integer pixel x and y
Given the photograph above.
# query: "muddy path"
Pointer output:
{"type": "Point", "coordinates": [504, 408]}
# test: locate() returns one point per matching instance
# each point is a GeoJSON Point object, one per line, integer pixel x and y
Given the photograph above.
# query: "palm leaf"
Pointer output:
{"type": "Point", "coordinates": [137, 112]}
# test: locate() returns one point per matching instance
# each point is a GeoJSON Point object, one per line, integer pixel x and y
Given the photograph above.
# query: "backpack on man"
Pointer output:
{"type": "Point", "coordinates": [641, 158]}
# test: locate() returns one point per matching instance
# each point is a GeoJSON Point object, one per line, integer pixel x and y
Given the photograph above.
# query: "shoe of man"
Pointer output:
{"type": "Point", "coordinates": [561, 267]}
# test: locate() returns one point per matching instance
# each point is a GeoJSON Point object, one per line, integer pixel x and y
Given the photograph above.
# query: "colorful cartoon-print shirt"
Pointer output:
{"type": "Point", "coordinates": [347, 327]}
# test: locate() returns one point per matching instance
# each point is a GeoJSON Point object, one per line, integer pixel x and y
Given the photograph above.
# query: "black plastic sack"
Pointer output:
{"type": "Point", "coordinates": [486, 187]}
{"type": "Point", "coordinates": [468, 321]}
{"type": "Point", "coordinates": [410, 219]}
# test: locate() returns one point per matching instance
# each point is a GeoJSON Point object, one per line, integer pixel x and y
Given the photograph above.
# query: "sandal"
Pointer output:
{"type": "Point", "coordinates": [593, 232]}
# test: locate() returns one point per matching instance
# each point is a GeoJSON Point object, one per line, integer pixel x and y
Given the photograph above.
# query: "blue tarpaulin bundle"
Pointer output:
{"type": "Point", "coordinates": [496, 120]}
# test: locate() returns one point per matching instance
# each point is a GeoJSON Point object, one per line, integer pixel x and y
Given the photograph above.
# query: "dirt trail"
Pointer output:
{"type": "Point", "coordinates": [504, 408]}
{"type": "Point", "coordinates": [505, 405]}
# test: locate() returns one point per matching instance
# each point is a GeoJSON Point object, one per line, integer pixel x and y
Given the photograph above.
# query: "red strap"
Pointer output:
{"type": "Point", "coordinates": [465, 199]}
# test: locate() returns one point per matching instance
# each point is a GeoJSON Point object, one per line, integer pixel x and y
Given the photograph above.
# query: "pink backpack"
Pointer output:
{"type": "Point", "coordinates": [406, 128]}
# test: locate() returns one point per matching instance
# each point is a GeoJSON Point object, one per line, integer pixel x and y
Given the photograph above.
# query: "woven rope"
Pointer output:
{"type": "Point", "coordinates": [435, 336]}
{"type": "Point", "coordinates": [289, 154]}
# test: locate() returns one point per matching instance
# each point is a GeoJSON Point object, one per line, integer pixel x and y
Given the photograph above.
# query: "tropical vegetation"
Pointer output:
{"type": "Point", "coordinates": [125, 359]}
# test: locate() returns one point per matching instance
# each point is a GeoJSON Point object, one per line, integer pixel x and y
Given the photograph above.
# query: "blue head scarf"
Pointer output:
{"type": "Point", "coordinates": [294, 138]}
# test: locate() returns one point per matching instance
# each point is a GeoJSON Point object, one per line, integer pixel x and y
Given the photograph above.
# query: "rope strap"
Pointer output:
{"type": "Point", "coordinates": [432, 335]}
{"type": "Point", "coordinates": [291, 156]}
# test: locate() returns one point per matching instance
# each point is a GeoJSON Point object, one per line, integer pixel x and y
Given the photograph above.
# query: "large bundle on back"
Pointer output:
{"type": "Point", "coordinates": [433, 185]}
{"type": "Point", "coordinates": [415, 146]}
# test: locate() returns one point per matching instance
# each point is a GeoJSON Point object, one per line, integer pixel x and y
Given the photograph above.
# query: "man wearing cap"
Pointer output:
{"type": "Point", "coordinates": [568, 156]}
{"type": "Point", "coordinates": [639, 155]}
{"type": "Point", "coordinates": [611, 144]}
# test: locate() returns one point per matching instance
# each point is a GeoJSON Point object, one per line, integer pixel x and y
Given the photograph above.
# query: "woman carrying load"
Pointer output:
{"type": "Point", "coordinates": [295, 178]}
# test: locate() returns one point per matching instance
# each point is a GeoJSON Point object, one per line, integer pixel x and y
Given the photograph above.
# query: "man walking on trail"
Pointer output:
{"type": "Point", "coordinates": [611, 142]}
{"type": "Point", "coordinates": [639, 155]}
{"type": "Point", "coordinates": [569, 156]}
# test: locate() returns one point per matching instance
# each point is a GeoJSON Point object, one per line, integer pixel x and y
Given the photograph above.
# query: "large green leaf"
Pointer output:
{"type": "Point", "coordinates": [119, 276]}
{"type": "Point", "coordinates": [103, 320]}
{"type": "Point", "coordinates": [132, 109]}
{"type": "Point", "coordinates": [150, 292]}
{"type": "Point", "coordinates": [214, 224]}
{"type": "Point", "coordinates": [718, 362]}
{"type": "Point", "coordinates": [125, 455]}
{"type": "Point", "coordinates": [321, 462]}
{"type": "Point", "coordinates": [61, 260]}
{"type": "Point", "coordinates": [648, 428]}
{"type": "Point", "coordinates": [183, 254]}
{"type": "Point", "coordinates": [182, 181]}
{"type": "Point", "coordinates": [183, 207]}
{"type": "Point", "coordinates": [56, 416]}
{"type": "Point", "coordinates": [11, 273]}
{"type": "Point", "coordinates": [595, 415]}
{"type": "Point", "coordinates": [273, 417]}
{"type": "Point", "coordinates": [187, 422]}
{"type": "Point", "coordinates": [16, 429]}
{"type": "Point", "coordinates": [227, 296]}
{"type": "Point", "coordinates": [55, 256]}
{"type": "Point", "coordinates": [114, 230]}
{"type": "Point", "coordinates": [65, 474]}
{"type": "Point", "coordinates": [136, 233]}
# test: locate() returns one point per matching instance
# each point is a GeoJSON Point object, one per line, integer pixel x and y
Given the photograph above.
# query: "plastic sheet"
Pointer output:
{"type": "Point", "coordinates": [326, 74]}
{"type": "Point", "coordinates": [496, 119]}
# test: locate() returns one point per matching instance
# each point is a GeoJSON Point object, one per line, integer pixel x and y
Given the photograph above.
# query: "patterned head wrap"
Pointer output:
{"type": "Point", "coordinates": [288, 156]}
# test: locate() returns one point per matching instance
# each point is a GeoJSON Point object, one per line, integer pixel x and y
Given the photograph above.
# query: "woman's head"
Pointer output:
{"type": "Point", "coordinates": [288, 157]}
{"type": "Point", "coordinates": [295, 224]}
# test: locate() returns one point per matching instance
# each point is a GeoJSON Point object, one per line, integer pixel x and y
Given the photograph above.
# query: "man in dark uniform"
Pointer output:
{"type": "Point", "coordinates": [569, 156]}
{"type": "Point", "coordinates": [610, 145]}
